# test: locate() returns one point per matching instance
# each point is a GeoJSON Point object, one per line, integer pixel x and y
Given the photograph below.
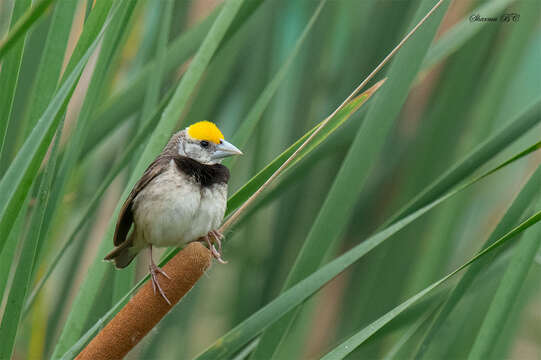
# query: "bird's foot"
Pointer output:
{"type": "Point", "coordinates": [154, 271]}
{"type": "Point", "coordinates": [216, 238]}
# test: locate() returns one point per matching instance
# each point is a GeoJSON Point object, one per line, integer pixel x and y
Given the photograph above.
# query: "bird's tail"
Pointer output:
{"type": "Point", "coordinates": [123, 255]}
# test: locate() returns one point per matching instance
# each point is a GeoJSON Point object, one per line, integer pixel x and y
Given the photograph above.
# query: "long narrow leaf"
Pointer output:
{"type": "Point", "coordinates": [507, 294]}
{"type": "Point", "coordinates": [522, 122]}
{"type": "Point", "coordinates": [18, 179]}
{"type": "Point", "coordinates": [23, 275]}
{"type": "Point", "coordinates": [19, 176]}
{"type": "Point", "coordinates": [9, 76]}
{"type": "Point", "coordinates": [124, 279]}
{"type": "Point", "coordinates": [102, 11]}
{"type": "Point", "coordinates": [50, 65]}
{"type": "Point", "coordinates": [356, 340]}
{"type": "Point", "coordinates": [22, 25]}
{"type": "Point", "coordinates": [406, 337]}
{"type": "Point", "coordinates": [7, 255]}
{"type": "Point", "coordinates": [252, 119]}
{"type": "Point", "coordinates": [127, 100]}
{"type": "Point", "coordinates": [511, 217]}
{"type": "Point", "coordinates": [257, 180]}
{"type": "Point", "coordinates": [47, 79]}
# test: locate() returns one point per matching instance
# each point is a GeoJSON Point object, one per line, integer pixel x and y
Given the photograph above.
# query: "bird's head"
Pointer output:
{"type": "Point", "coordinates": [204, 142]}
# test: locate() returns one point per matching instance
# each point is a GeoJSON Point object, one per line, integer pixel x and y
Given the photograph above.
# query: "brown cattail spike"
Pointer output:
{"type": "Point", "coordinates": [146, 309]}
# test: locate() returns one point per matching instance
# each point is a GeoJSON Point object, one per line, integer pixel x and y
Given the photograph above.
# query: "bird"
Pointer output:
{"type": "Point", "coordinates": [180, 198]}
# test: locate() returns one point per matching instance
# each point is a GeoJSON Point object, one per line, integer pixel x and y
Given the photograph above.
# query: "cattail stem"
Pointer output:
{"type": "Point", "coordinates": [146, 309]}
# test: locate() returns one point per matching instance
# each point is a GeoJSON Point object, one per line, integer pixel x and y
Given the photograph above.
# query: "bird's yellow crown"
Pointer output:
{"type": "Point", "coordinates": [205, 130]}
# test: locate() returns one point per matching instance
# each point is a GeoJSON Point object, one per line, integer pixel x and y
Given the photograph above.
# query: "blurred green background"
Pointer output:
{"type": "Point", "coordinates": [278, 68]}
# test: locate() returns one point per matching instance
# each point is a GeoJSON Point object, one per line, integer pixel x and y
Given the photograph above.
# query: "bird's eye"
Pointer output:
{"type": "Point", "coordinates": [204, 143]}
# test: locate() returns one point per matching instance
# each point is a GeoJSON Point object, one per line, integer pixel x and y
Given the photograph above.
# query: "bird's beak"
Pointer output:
{"type": "Point", "coordinates": [225, 149]}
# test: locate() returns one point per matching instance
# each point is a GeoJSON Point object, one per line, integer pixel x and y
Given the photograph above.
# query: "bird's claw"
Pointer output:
{"type": "Point", "coordinates": [217, 255]}
{"type": "Point", "coordinates": [217, 237]}
{"type": "Point", "coordinates": [154, 271]}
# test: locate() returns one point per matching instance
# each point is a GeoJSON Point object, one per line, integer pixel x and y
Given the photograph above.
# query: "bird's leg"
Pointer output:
{"type": "Point", "coordinates": [216, 238]}
{"type": "Point", "coordinates": [154, 270]}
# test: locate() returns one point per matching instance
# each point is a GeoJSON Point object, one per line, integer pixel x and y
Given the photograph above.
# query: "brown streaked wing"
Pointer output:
{"type": "Point", "coordinates": [125, 217]}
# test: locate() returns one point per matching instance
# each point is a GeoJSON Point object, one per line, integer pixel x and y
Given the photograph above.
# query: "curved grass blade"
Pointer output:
{"type": "Point", "coordinates": [9, 76]}
{"type": "Point", "coordinates": [88, 291]}
{"type": "Point", "coordinates": [256, 181]}
{"type": "Point", "coordinates": [109, 47]}
{"type": "Point", "coordinates": [50, 65]}
{"type": "Point", "coordinates": [231, 342]}
{"type": "Point", "coordinates": [102, 10]}
{"type": "Point", "coordinates": [245, 353]}
{"type": "Point", "coordinates": [124, 279]}
{"type": "Point", "coordinates": [491, 149]}
{"type": "Point", "coordinates": [394, 353]}
{"type": "Point", "coordinates": [127, 100]}
{"type": "Point", "coordinates": [107, 50]}
{"type": "Point", "coordinates": [7, 256]}
{"type": "Point", "coordinates": [22, 25]}
{"type": "Point", "coordinates": [20, 175]}
{"type": "Point", "coordinates": [91, 31]}
{"type": "Point", "coordinates": [512, 216]}
{"type": "Point", "coordinates": [249, 124]}
{"type": "Point", "coordinates": [356, 340]}
{"type": "Point", "coordinates": [102, 14]}
{"type": "Point", "coordinates": [507, 293]}
{"type": "Point", "coordinates": [47, 77]}
{"type": "Point", "coordinates": [23, 274]}
{"type": "Point", "coordinates": [152, 94]}
{"type": "Point", "coordinates": [521, 123]}
{"type": "Point", "coordinates": [297, 173]}
{"type": "Point", "coordinates": [491, 270]}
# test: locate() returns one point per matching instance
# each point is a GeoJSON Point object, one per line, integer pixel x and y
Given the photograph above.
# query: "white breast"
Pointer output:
{"type": "Point", "coordinates": [173, 209]}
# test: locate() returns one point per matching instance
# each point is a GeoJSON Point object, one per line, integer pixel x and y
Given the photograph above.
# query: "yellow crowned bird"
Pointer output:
{"type": "Point", "coordinates": [180, 198]}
